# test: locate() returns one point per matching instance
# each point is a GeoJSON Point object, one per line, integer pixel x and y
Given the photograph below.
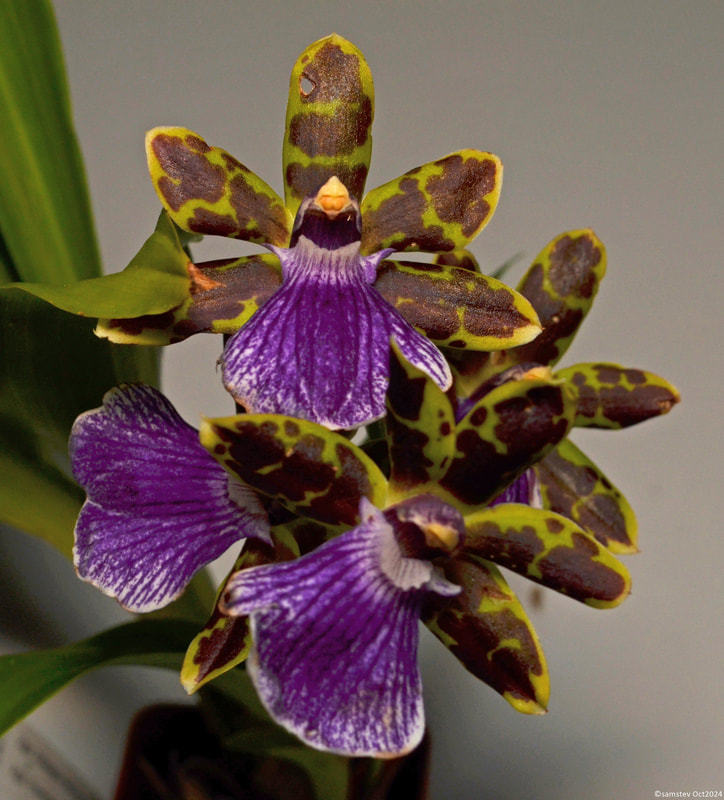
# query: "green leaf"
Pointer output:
{"type": "Point", "coordinates": [29, 679]}
{"type": "Point", "coordinates": [36, 496]}
{"type": "Point", "coordinates": [487, 629]}
{"type": "Point", "coordinates": [458, 308]}
{"type": "Point", "coordinates": [45, 214]}
{"type": "Point", "coordinates": [329, 120]}
{"type": "Point", "coordinates": [437, 207]}
{"type": "Point", "coordinates": [572, 485]}
{"type": "Point", "coordinates": [205, 190]}
{"type": "Point", "coordinates": [549, 549]}
{"type": "Point", "coordinates": [613, 397]}
{"type": "Point", "coordinates": [224, 295]}
{"type": "Point", "coordinates": [44, 352]}
{"type": "Point", "coordinates": [7, 268]}
{"type": "Point", "coordinates": [313, 471]}
{"type": "Point", "coordinates": [156, 280]}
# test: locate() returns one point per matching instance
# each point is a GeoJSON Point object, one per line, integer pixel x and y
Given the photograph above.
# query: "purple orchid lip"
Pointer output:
{"type": "Point", "coordinates": [158, 506]}
{"type": "Point", "coordinates": [335, 639]}
{"type": "Point", "coordinates": [319, 348]}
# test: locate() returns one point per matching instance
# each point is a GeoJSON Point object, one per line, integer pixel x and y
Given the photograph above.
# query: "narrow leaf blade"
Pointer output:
{"type": "Point", "coordinates": [45, 214]}
{"type": "Point", "coordinates": [29, 679]}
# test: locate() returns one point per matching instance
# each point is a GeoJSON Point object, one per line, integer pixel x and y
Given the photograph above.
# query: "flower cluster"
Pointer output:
{"type": "Point", "coordinates": [465, 465]}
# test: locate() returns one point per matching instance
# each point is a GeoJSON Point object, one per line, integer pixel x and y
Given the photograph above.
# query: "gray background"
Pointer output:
{"type": "Point", "coordinates": [606, 114]}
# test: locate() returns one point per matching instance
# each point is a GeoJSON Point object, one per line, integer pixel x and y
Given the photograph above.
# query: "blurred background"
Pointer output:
{"type": "Point", "coordinates": [605, 114]}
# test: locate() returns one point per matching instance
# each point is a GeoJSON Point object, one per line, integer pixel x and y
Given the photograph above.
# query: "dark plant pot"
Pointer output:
{"type": "Point", "coordinates": [170, 754]}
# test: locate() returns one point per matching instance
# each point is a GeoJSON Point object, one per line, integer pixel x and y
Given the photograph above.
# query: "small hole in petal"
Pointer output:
{"type": "Point", "coordinates": [306, 86]}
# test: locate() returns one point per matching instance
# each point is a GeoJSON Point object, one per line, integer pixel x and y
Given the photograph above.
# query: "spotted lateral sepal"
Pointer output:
{"type": "Point", "coordinates": [420, 424]}
{"type": "Point", "coordinates": [561, 284]}
{"type": "Point", "coordinates": [507, 431]}
{"type": "Point", "coordinates": [309, 469]}
{"type": "Point", "coordinates": [458, 258]}
{"type": "Point", "coordinates": [223, 296]}
{"type": "Point", "coordinates": [205, 190]}
{"type": "Point", "coordinates": [486, 628]}
{"type": "Point", "coordinates": [224, 641]}
{"type": "Point", "coordinates": [572, 485]}
{"type": "Point", "coordinates": [458, 308]}
{"type": "Point", "coordinates": [549, 549]}
{"type": "Point", "coordinates": [437, 207]}
{"type": "Point", "coordinates": [611, 396]}
{"type": "Point", "coordinates": [329, 120]}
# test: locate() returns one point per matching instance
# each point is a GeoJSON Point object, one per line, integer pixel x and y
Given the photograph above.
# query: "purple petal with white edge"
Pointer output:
{"type": "Point", "coordinates": [335, 640]}
{"type": "Point", "coordinates": [319, 348]}
{"type": "Point", "coordinates": [158, 506]}
{"type": "Point", "coordinates": [524, 489]}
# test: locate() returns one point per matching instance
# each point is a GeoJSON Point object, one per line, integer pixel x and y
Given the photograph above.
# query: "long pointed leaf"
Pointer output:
{"type": "Point", "coordinates": [44, 351]}
{"type": "Point", "coordinates": [156, 280]}
{"type": "Point", "coordinates": [45, 214]}
{"type": "Point", "coordinates": [29, 679]}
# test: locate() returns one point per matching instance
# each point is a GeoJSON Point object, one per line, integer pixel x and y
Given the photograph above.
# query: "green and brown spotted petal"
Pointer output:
{"type": "Point", "coordinates": [458, 258]}
{"type": "Point", "coordinates": [329, 120]}
{"type": "Point", "coordinates": [224, 641]}
{"type": "Point", "coordinates": [573, 486]}
{"type": "Point", "coordinates": [611, 396]}
{"type": "Point", "coordinates": [420, 426]}
{"type": "Point", "coordinates": [207, 191]}
{"type": "Point", "coordinates": [457, 308]}
{"type": "Point", "coordinates": [549, 549]}
{"type": "Point", "coordinates": [437, 207]}
{"type": "Point", "coordinates": [486, 628]}
{"type": "Point", "coordinates": [561, 284]}
{"type": "Point", "coordinates": [224, 295]}
{"type": "Point", "coordinates": [309, 469]}
{"type": "Point", "coordinates": [507, 431]}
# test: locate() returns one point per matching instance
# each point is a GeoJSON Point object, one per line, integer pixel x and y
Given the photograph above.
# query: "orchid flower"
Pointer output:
{"type": "Point", "coordinates": [331, 634]}
{"type": "Point", "coordinates": [310, 339]}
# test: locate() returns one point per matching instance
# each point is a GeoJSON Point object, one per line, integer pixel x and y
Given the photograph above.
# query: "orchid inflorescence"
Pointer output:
{"type": "Point", "coordinates": [465, 465]}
